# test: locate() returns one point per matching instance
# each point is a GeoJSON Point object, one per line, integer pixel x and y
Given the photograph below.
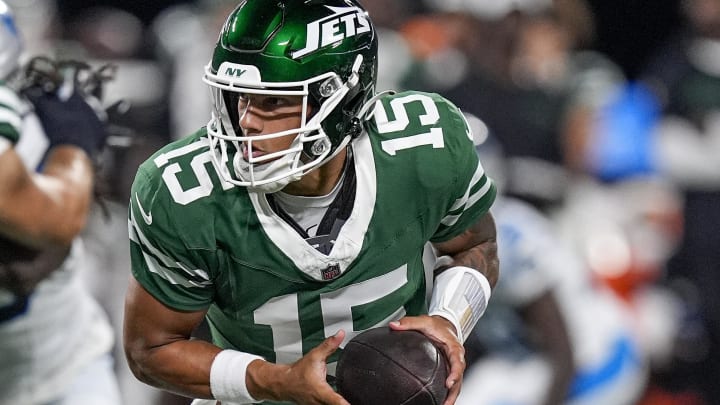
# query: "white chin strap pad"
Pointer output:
{"type": "Point", "coordinates": [461, 295]}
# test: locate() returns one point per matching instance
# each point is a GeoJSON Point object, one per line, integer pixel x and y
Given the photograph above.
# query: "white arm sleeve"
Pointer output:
{"type": "Point", "coordinates": [460, 294]}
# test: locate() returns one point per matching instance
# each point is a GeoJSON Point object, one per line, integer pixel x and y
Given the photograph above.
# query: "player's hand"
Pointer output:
{"type": "Point", "coordinates": [68, 120]}
{"type": "Point", "coordinates": [442, 332]}
{"type": "Point", "coordinates": [304, 382]}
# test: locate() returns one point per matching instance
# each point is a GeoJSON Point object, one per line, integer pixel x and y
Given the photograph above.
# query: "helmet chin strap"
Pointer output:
{"type": "Point", "coordinates": [365, 111]}
{"type": "Point", "coordinates": [249, 172]}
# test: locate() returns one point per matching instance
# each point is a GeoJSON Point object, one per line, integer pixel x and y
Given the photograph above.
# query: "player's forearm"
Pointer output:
{"type": "Point", "coordinates": [181, 367]}
{"type": "Point", "coordinates": [482, 257]}
{"type": "Point", "coordinates": [476, 248]}
{"type": "Point", "coordinates": [72, 175]}
{"type": "Point", "coordinates": [468, 267]}
{"type": "Point", "coordinates": [48, 208]}
{"type": "Point", "coordinates": [185, 368]}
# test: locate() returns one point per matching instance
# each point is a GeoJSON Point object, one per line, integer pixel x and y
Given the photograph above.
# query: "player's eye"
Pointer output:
{"type": "Point", "coordinates": [242, 100]}
{"type": "Point", "coordinates": [272, 103]}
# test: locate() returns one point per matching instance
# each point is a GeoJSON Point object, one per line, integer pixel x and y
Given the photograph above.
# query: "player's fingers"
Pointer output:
{"type": "Point", "coordinates": [435, 327]}
{"type": "Point", "coordinates": [331, 397]}
{"type": "Point", "coordinates": [330, 345]}
{"type": "Point", "coordinates": [446, 340]}
{"type": "Point", "coordinates": [456, 360]}
{"type": "Point", "coordinates": [453, 394]}
{"type": "Point", "coordinates": [408, 323]}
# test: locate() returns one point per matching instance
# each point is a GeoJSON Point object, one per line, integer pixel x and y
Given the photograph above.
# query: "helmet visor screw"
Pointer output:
{"type": "Point", "coordinates": [320, 146]}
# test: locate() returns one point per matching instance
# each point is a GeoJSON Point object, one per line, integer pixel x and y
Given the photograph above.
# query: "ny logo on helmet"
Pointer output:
{"type": "Point", "coordinates": [236, 72]}
{"type": "Point", "coordinates": [345, 22]}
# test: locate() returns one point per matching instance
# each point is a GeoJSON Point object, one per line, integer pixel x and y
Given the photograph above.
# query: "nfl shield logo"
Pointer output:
{"type": "Point", "coordinates": [330, 272]}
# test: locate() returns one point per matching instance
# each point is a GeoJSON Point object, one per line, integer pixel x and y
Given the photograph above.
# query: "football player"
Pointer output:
{"type": "Point", "coordinates": [55, 341]}
{"type": "Point", "coordinates": [297, 217]}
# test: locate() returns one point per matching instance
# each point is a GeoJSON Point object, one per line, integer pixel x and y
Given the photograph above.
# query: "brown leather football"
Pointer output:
{"type": "Point", "coordinates": [381, 366]}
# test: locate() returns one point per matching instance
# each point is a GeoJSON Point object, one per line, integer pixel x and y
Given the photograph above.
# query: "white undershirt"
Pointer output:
{"type": "Point", "coordinates": [307, 211]}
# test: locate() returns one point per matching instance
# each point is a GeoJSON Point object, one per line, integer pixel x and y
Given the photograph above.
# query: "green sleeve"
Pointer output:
{"type": "Point", "coordinates": [10, 107]}
{"type": "Point", "coordinates": [161, 262]}
{"type": "Point", "coordinates": [472, 190]}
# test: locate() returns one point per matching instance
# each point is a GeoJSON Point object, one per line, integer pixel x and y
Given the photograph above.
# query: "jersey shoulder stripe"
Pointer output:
{"type": "Point", "coordinates": [10, 114]}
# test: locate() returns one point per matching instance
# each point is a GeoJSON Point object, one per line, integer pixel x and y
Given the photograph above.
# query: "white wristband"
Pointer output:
{"type": "Point", "coordinates": [227, 377]}
{"type": "Point", "coordinates": [460, 295]}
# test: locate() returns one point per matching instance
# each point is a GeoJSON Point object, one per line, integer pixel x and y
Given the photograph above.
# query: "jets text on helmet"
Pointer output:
{"type": "Point", "coordinates": [327, 30]}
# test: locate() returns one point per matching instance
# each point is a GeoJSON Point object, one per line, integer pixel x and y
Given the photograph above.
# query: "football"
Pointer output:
{"type": "Point", "coordinates": [383, 366]}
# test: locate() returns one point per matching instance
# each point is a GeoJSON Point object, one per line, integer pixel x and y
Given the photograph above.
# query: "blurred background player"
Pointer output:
{"type": "Point", "coordinates": [55, 340]}
{"type": "Point", "coordinates": [552, 335]}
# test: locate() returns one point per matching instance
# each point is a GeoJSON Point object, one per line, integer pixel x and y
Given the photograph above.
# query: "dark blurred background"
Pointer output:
{"type": "Point", "coordinates": [627, 30]}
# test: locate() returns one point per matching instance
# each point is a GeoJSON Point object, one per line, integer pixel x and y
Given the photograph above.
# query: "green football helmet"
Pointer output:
{"type": "Point", "coordinates": [322, 50]}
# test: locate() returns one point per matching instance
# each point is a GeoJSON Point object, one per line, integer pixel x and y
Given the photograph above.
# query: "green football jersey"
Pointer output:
{"type": "Point", "coordinates": [199, 242]}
